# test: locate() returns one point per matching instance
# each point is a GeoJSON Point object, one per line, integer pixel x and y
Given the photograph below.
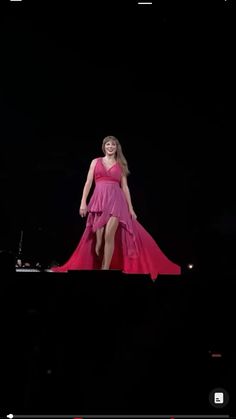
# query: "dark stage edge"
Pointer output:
{"type": "Point", "coordinates": [104, 342]}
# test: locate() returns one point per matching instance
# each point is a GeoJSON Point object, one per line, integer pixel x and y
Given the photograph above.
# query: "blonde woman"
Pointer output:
{"type": "Point", "coordinates": [113, 238]}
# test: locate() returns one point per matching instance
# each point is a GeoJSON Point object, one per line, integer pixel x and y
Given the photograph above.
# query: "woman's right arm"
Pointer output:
{"type": "Point", "coordinates": [88, 183]}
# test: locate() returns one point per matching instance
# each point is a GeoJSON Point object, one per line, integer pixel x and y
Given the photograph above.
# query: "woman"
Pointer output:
{"type": "Point", "coordinates": [113, 238]}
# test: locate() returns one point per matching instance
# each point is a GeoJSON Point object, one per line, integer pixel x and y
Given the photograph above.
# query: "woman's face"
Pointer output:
{"type": "Point", "coordinates": [110, 148]}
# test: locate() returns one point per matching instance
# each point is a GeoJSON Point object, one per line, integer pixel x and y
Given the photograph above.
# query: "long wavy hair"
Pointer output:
{"type": "Point", "coordinates": [120, 158]}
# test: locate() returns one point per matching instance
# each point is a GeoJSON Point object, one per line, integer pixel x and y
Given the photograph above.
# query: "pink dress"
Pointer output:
{"type": "Point", "coordinates": [135, 250]}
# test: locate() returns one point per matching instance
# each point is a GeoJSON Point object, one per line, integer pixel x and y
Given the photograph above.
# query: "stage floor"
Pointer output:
{"type": "Point", "coordinates": [106, 342]}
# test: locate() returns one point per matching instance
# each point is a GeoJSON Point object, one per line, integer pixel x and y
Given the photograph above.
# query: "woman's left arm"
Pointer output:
{"type": "Point", "coordinates": [125, 188]}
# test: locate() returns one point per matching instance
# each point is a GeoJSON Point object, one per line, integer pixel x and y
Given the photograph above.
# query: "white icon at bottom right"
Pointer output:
{"type": "Point", "coordinates": [218, 398]}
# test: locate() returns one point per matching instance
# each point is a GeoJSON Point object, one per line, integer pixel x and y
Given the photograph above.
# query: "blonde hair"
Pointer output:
{"type": "Point", "coordinates": [120, 158]}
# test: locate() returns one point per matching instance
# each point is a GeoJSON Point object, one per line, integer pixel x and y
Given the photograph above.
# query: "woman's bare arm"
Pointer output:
{"type": "Point", "coordinates": [125, 188]}
{"type": "Point", "coordinates": [88, 183]}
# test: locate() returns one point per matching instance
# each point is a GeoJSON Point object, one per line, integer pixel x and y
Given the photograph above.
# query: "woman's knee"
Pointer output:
{"type": "Point", "coordinates": [111, 228]}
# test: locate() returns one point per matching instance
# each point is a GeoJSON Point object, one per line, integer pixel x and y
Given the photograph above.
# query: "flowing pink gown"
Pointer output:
{"type": "Point", "coordinates": [135, 252]}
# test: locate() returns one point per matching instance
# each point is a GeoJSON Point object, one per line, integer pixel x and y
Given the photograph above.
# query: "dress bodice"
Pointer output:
{"type": "Point", "coordinates": [112, 174]}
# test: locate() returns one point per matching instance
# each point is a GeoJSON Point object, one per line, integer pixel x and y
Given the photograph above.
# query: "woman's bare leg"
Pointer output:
{"type": "Point", "coordinates": [99, 235]}
{"type": "Point", "coordinates": [110, 231]}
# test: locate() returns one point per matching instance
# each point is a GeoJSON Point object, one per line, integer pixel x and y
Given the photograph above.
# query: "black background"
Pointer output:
{"type": "Point", "coordinates": [161, 79]}
{"type": "Point", "coordinates": [158, 77]}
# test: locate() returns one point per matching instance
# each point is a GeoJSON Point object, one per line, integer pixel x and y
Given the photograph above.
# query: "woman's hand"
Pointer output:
{"type": "Point", "coordinates": [132, 213]}
{"type": "Point", "coordinates": [83, 210]}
